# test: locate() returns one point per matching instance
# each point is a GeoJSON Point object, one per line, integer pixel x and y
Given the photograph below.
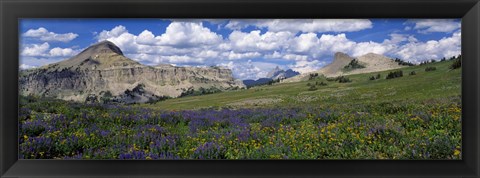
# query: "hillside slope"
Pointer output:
{"type": "Point", "coordinates": [440, 83]}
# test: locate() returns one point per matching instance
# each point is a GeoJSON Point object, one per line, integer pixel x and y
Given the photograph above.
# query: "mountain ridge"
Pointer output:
{"type": "Point", "coordinates": [274, 75]}
{"type": "Point", "coordinates": [102, 68]}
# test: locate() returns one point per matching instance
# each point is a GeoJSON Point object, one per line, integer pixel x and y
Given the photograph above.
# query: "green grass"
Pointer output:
{"type": "Point", "coordinates": [441, 83]}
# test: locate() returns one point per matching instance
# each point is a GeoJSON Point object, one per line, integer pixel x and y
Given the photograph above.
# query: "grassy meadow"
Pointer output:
{"type": "Point", "coordinates": [410, 117]}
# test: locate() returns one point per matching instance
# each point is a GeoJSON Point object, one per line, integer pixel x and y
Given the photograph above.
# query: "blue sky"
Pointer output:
{"type": "Point", "coordinates": [250, 47]}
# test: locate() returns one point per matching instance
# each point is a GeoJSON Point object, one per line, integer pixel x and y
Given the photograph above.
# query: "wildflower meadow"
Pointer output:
{"type": "Point", "coordinates": [408, 117]}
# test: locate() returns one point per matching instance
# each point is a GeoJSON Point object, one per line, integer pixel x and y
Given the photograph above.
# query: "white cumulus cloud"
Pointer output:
{"type": "Point", "coordinates": [432, 49]}
{"type": "Point", "coordinates": [305, 66]}
{"type": "Point", "coordinates": [62, 52]}
{"type": "Point", "coordinates": [434, 25]}
{"type": "Point", "coordinates": [35, 49]}
{"type": "Point", "coordinates": [303, 25]}
{"type": "Point", "coordinates": [25, 66]}
{"type": "Point", "coordinates": [33, 62]}
{"type": "Point", "coordinates": [121, 37]}
{"type": "Point", "coordinates": [44, 35]}
{"type": "Point", "coordinates": [254, 41]}
{"type": "Point", "coordinates": [43, 50]}
{"type": "Point", "coordinates": [181, 34]}
{"type": "Point", "coordinates": [249, 69]}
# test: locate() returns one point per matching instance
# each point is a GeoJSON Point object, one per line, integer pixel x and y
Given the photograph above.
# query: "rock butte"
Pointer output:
{"type": "Point", "coordinates": [102, 68]}
{"type": "Point", "coordinates": [372, 62]}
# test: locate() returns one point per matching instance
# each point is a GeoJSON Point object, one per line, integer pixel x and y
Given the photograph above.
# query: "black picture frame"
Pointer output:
{"type": "Point", "coordinates": [11, 11]}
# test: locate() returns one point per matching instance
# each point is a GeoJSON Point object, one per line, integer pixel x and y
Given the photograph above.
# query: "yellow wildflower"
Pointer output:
{"type": "Point", "coordinates": [456, 152]}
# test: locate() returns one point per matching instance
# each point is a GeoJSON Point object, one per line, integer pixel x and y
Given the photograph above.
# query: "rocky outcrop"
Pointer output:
{"type": "Point", "coordinates": [102, 71]}
{"type": "Point", "coordinates": [370, 62]}
{"type": "Point", "coordinates": [340, 60]}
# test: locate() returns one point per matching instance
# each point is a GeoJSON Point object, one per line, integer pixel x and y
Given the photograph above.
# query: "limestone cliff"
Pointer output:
{"type": "Point", "coordinates": [103, 71]}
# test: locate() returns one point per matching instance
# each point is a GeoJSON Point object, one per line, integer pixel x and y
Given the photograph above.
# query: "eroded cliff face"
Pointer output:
{"type": "Point", "coordinates": [102, 71]}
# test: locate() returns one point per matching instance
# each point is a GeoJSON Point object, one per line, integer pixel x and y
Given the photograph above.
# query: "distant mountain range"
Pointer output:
{"type": "Point", "coordinates": [278, 73]}
{"type": "Point", "coordinates": [102, 73]}
{"type": "Point", "coordinates": [275, 74]}
{"type": "Point", "coordinates": [261, 81]}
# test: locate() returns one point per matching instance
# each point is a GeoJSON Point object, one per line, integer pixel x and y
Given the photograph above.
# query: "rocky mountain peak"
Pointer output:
{"type": "Point", "coordinates": [373, 55]}
{"type": "Point", "coordinates": [340, 55]}
{"type": "Point", "coordinates": [101, 55]}
{"type": "Point", "coordinates": [274, 72]}
{"type": "Point", "coordinates": [279, 73]}
{"type": "Point", "coordinates": [102, 48]}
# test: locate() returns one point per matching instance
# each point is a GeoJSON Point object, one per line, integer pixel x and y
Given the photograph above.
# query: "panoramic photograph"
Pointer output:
{"type": "Point", "coordinates": [240, 89]}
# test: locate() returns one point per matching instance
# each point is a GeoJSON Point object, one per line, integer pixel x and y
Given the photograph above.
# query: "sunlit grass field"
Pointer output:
{"type": "Point", "coordinates": [410, 117]}
{"type": "Point", "coordinates": [441, 83]}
